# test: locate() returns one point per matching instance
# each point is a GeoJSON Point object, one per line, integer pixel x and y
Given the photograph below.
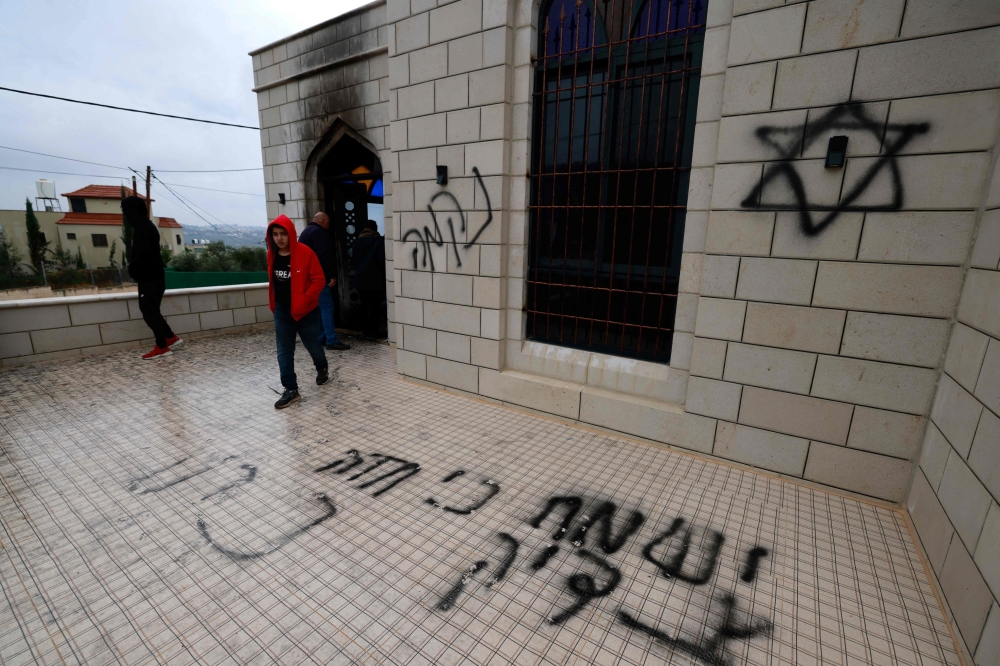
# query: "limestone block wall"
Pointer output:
{"type": "Point", "coordinates": [450, 81]}
{"type": "Point", "coordinates": [827, 294]}
{"type": "Point", "coordinates": [44, 329]}
{"type": "Point", "coordinates": [312, 88]}
{"type": "Point", "coordinates": [954, 497]}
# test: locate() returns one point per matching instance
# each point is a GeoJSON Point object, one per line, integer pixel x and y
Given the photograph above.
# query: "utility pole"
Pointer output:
{"type": "Point", "coordinates": [135, 190]}
{"type": "Point", "coordinates": [149, 207]}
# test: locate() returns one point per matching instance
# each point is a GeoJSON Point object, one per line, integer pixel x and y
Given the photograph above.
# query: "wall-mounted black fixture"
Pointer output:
{"type": "Point", "coordinates": [442, 174]}
{"type": "Point", "coordinates": [281, 198]}
{"type": "Point", "coordinates": [836, 151]}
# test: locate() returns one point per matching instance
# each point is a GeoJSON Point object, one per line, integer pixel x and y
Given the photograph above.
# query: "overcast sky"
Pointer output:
{"type": "Point", "coordinates": [182, 57]}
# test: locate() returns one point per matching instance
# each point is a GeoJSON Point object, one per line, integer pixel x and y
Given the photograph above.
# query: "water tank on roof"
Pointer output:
{"type": "Point", "coordinates": [46, 189]}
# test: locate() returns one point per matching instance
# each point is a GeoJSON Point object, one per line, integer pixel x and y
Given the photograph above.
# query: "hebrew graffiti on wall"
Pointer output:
{"type": "Point", "coordinates": [791, 141]}
{"type": "Point", "coordinates": [426, 237]}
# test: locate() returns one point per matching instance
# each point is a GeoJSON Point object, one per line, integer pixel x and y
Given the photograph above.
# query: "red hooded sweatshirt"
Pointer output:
{"type": "Point", "coordinates": [307, 273]}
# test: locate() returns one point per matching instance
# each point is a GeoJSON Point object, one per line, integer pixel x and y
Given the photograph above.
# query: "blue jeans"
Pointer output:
{"type": "Point", "coordinates": [327, 329]}
{"type": "Point", "coordinates": [285, 328]}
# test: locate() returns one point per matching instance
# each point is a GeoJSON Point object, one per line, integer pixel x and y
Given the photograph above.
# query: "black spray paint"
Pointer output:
{"type": "Point", "coordinates": [251, 471]}
{"type": "Point", "coordinates": [449, 599]}
{"type": "Point", "coordinates": [712, 650]}
{"type": "Point", "coordinates": [754, 556]}
{"type": "Point", "coordinates": [572, 505]}
{"type": "Point", "coordinates": [671, 566]}
{"type": "Point", "coordinates": [425, 238]}
{"type": "Point", "coordinates": [602, 518]}
{"type": "Point", "coordinates": [792, 141]}
{"type": "Point", "coordinates": [493, 489]}
{"type": "Point", "coordinates": [135, 483]}
{"type": "Point", "coordinates": [404, 471]}
{"type": "Point", "coordinates": [280, 542]}
{"type": "Point", "coordinates": [585, 587]}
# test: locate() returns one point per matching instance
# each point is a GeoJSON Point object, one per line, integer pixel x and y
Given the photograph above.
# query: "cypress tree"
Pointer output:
{"type": "Point", "coordinates": [37, 245]}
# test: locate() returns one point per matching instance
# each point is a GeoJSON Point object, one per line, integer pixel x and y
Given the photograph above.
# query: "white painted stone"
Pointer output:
{"type": "Point", "coordinates": [839, 240]}
{"type": "Point", "coordinates": [838, 24]}
{"type": "Point", "coordinates": [708, 358]}
{"type": "Point", "coordinates": [928, 291]}
{"type": "Point", "coordinates": [888, 433]}
{"type": "Point", "coordinates": [895, 339]}
{"type": "Point", "coordinates": [776, 280]}
{"type": "Point", "coordinates": [709, 397]}
{"type": "Point", "coordinates": [545, 395]}
{"type": "Point", "coordinates": [882, 385]}
{"type": "Point", "coordinates": [984, 458]}
{"type": "Point", "coordinates": [932, 524]}
{"type": "Point", "coordinates": [814, 80]}
{"type": "Point", "coordinates": [980, 304]}
{"type": "Point", "coordinates": [792, 327]}
{"type": "Point", "coordinates": [739, 232]}
{"type": "Point", "coordinates": [858, 471]}
{"type": "Point", "coordinates": [761, 448]}
{"type": "Point", "coordinates": [956, 413]}
{"type": "Point", "coordinates": [964, 499]}
{"type": "Point", "coordinates": [748, 89]}
{"type": "Point", "coordinates": [988, 384]}
{"type": "Point", "coordinates": [778, 369]}
{"type": "Point", "coordinates": [910, 68]}
{"type": "Point", "coordinates": [917, 238]}
{"type": "Point", "coordinates": [720, 318]}
{"type": "Point", "coordinates": [767, 35]}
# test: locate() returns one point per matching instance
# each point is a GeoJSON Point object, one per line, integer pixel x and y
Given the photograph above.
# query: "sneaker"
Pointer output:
{"type": "Point", "coordinates": [157, 352]}
{"type": "Point", "coordinates": [287, 398]}
{"type": "Point", "coordinates": [322, 376]}
{"type": "Point", "coordinates": [174, 342]}
{"type": "Point", "coordinates": [337, 346]}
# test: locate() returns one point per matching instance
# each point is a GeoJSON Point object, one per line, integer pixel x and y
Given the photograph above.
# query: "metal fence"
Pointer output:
{"type": "Point", "coordinates": [616, 87]}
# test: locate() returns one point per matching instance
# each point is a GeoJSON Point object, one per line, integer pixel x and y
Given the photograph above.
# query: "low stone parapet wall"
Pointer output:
{"type": "Point", "coordinates": [42, 329]}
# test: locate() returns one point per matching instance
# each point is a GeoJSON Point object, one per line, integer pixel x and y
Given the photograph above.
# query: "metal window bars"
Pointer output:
{"type": "Point", "coordinates": [616, 88]}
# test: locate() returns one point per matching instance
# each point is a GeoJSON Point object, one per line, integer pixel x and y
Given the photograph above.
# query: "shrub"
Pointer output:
{"type": "Point", "coordinates": [220, 258]}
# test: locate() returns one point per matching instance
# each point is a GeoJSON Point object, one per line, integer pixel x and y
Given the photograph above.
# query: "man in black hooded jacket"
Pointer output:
{"type": "Point", "coordinates": [146, 269]}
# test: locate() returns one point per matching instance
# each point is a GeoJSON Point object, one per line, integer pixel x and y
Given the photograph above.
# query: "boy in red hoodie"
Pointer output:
{"type": "Point", "coordinates": [296, 278]}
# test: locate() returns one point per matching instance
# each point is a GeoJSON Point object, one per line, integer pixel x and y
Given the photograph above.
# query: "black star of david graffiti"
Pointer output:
{"type": "Point", "coordinates": [844, 118]}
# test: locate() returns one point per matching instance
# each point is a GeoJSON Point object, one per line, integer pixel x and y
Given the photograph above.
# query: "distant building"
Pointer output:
{"type": "Point", "coordinates": [93, 222]}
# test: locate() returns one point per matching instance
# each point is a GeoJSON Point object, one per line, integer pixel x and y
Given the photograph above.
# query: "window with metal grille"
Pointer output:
{"type": "Point", "coordinates": [616, 88]}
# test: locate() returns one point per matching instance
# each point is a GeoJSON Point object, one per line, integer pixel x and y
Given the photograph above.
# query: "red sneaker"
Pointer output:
{"type": "Point", "coordinates": [156, 353]}
{"type": "Point", "coordinates": [174, 342]}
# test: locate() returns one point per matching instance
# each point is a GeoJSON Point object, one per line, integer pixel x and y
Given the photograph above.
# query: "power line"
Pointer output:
{"type": "Point", "coordinates": [111, 166]}
{"type": "Point", "coordinates": [209, 170]}
{"type": "Point", "coordinates": [92, 175]}
{"type": "Point", "coordinates": [59, 157]}
{"type": "Point", "coordinates": [210, 189]}
{"type": "Point", "coordinates": [64, 173]}
{"type": "Point", "coordinates": [122, 108]}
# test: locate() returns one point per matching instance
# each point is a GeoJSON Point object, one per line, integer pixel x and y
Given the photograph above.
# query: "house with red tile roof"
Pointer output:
{"type": "Point", "coordinates": [94, 221]}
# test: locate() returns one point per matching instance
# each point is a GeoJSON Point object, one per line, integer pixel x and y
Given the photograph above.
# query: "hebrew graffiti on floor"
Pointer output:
{"type": "Point", "coordinates": [492, 489]}
{"type": "Point", "coordinates": [789, 142]}
{"type": "Point", "coordinates": [354, 459]}
{"type": "Point", "coordinates": [427, 237]}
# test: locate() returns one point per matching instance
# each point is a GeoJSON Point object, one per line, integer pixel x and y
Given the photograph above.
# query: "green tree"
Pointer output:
{"type": "Point", "coordinates": [10, 258]}
{"type": "Point", "coordinates": [37, 245]}
{"type": "Point", "coordinates": [112, 262]}
{"type": "Point", "coordinates": [186, 262]}
{"type": "Point", "coordinates": [62, 259]}
{"type": "Point", "coordinates": [166, 255]}
{"type": "Point", "coordinates": [127, 232]}
{"type": "Point", "coordinates": [79, 259]}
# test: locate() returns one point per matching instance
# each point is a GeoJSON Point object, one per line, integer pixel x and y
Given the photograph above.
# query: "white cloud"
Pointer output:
{"type": "Point", "coordinates": [181, 57]}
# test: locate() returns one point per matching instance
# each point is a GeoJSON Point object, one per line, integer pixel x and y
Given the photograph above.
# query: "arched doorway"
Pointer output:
{"type": "Point", "coordinates": [344, 179]}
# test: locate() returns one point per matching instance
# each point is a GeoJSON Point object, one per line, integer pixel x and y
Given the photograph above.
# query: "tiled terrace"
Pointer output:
{"type": "Point", "coordinates": [165, 513]}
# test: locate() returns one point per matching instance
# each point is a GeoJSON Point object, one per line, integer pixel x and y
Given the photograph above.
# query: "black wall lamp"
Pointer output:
{"type": "Point", "coordinates": [442, 178]}
{"type": "Point", "coordinates": [281, 198]}
{"type": "Point", "coordinates": [836, 151]}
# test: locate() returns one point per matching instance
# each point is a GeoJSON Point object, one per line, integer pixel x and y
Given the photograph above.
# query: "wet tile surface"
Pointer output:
{"type": "Point", "coordinates": [166, 513]}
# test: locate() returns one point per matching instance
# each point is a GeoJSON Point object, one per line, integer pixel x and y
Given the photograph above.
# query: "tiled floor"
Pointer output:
{"type": "Point", "coordinates": [166, 513]}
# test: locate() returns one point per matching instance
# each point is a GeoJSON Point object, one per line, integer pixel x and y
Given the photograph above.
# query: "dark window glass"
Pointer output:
{"type": "Point", "coordinates": [70, 236]}
{"type": "Point", "coordinates": [178, 239]}
{"type": "Point", "coordinates": [100, 240]}
{"type": "Point", "coordinates": [42, 234]}
{"type": "Point", "coordinates": [78, 205]}
{"type": "Point", "coordinates": [616, 87]}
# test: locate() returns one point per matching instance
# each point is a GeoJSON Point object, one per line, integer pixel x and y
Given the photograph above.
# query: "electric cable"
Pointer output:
{"type": "Point", "coordinates": [122, 108]}
{"type": "Point", "coordinates": [63, 173]}
{"type": "Point", "coordinates": [111, 166]}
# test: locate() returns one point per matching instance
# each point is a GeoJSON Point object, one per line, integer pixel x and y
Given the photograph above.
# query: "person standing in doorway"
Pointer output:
{"type": "Point", "coordinates": [145, 267]}
{"type": "Point", "coordinates": [369, 275]}
{"type": "Point", "coordinates": [296, 280]}
{"type": "Point", "coordinates": [317, 238]}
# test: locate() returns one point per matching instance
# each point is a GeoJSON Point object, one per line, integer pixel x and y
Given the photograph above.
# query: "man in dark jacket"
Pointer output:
{"type": "Point", "coordinates": [369, 277]}
{"type": "Point", "coordinates": [146, 269]}
{"type": "Point", "coordinates": [317, 238]}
